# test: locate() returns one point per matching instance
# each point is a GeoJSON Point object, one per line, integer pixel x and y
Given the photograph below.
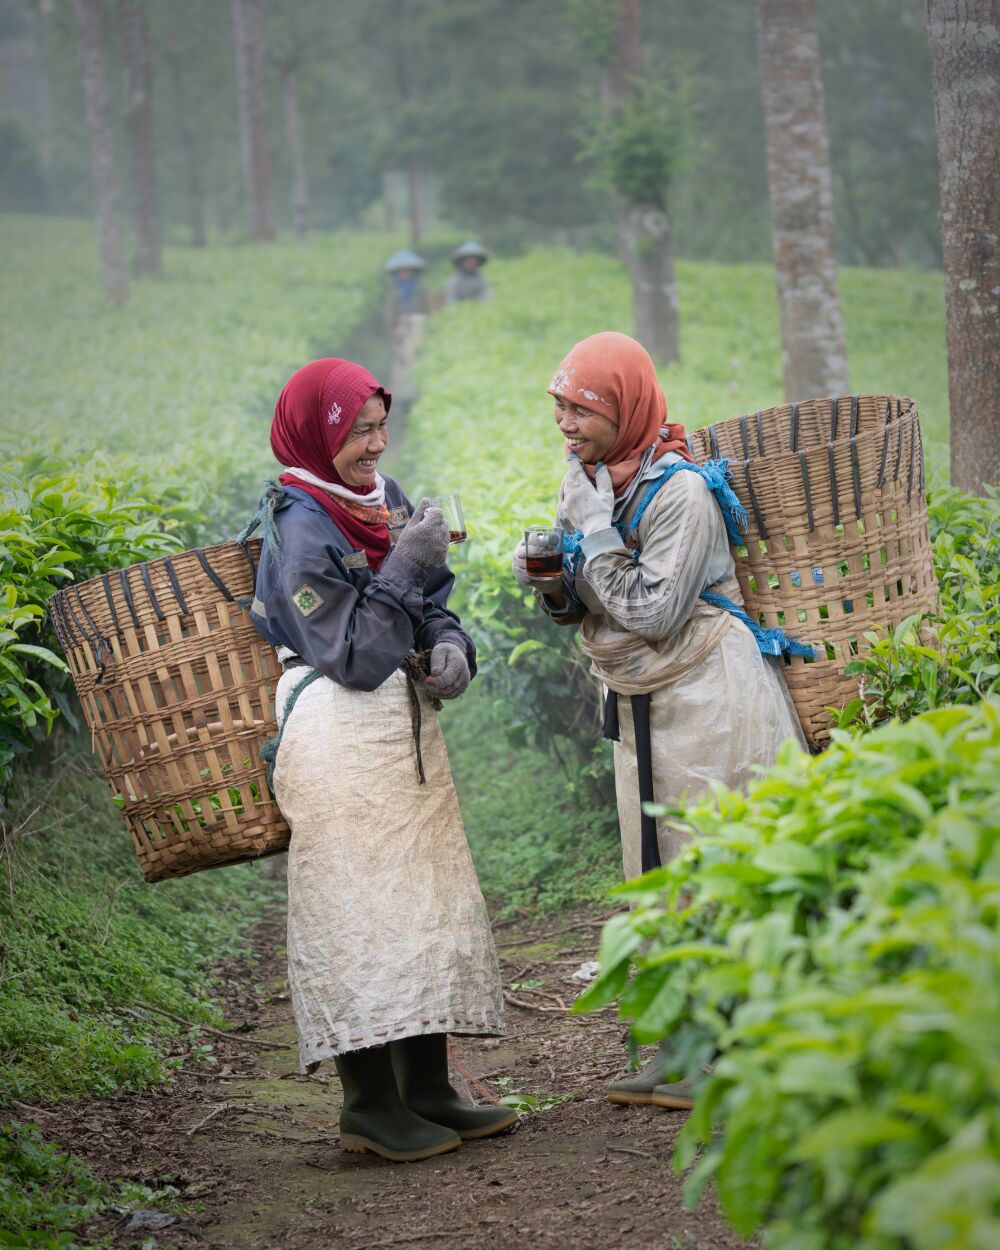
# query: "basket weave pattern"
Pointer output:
{"type": "Point", "coordinates": [178, 689]}
{"type": "Point", "coordinates": [837, 541]}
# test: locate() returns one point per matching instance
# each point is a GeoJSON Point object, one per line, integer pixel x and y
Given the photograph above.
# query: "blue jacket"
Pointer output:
{"type": "Point", "coordinates": [317, 595]}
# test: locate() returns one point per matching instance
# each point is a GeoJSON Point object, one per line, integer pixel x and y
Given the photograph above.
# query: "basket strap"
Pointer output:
{"type": "Point", "coordinates": [147, 581]}
{"type": "Point", "coordinates": [833, 418]}
{"type": "Point", "coordinates": [856, 475]}
{"type": "Point", "coordinates": [913, 453]}
{"type": "Point", "coordinates": [100, 644]}
{"type": "Point", "coordinates": [899, 446]}
{"type": "Point", "coordinates": [793, 430]}
{"type": "Point", "coordinates": [806, 491]}
{"type": "Point", "coordinates": [713, 440]}
{"type": "Point", "coordinates": [834, 498]}
{"type": "Point", "coordinates": [760, 431]}
{"type": "Point", "coordinates": [644, 766]}
{"type": "Point", "coordinates": [175, 585]}
{"type": "Point", "coordinates": [758, 515]}
{"type": "Point", "coordinates": [216, 580]}
{"type": "Point", "coordinates": [127, 592]}
{"type": "Point", "coordinates": [106, 583]}
{"type": "Point", "coordinates": [745, 438]}
{"type": "Point", "coordinates": [59, 622]}
{"type": "Point", "coordinates": [885, 449]}
{"type": "Point", "coordinates": [854, 415]}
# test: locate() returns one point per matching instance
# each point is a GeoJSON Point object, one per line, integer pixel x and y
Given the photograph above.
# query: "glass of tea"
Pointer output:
{"type": "Point", "coordinates": [543, 552]}
{"type": "Point", "coordinates": [451, 506]}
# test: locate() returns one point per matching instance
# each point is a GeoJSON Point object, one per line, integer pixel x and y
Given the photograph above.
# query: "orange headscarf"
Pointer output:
{"type": "Point", "coordinates": [613, 375]}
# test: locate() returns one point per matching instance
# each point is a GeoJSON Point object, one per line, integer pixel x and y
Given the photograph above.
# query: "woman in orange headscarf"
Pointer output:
{"type": "Point", "coordinates": [692, 698]}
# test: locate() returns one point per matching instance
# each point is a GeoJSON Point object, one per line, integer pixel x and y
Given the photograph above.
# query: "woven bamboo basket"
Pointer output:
{"type": "Point", "coordinates": [178, 689]}
{"type": "Point", "coordinates": [837, 542]}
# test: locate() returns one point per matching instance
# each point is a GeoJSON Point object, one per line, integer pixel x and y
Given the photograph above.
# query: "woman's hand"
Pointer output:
{"type": "Point", "coordinates": [449, 675]}
{"type": "Point", "coordinates": [588, 506]}
{"type": "Point", "coordinates": [424, 538]}
{"type": "Point", "coordinates": [519, 567]}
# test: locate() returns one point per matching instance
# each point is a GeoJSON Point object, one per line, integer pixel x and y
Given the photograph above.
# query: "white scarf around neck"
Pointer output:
{"type": "Point", "coordinates": [374, 499]}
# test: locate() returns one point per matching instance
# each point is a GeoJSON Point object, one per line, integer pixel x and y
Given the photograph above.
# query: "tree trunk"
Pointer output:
{"type": "Point", "coordinates": [189, 153]}
{"type": "Point", "coordinates": [41, 13]}
{"type": "Point", "coordinates": [293, 133]}
{"type": "Point", "coordinates": [138, 84]}
{"type": "Point", "coordinates": [253, 118]}
{"type": "Point", "coordinates": [643, 229]}
{"type": "Point", "coordinates": [645, 235]}
{"type": "Point", "coordinates": [814, 348]}
{"type": "Point", "coordinates": [965, 71]}
{"type": "Point", "coordinates": [102, 155]}
{"type": "Point", "coordinates": [413, 204]}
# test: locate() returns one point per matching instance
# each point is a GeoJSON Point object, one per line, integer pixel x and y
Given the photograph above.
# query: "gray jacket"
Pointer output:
{"type": "Point", "coordinates": [317, 596]}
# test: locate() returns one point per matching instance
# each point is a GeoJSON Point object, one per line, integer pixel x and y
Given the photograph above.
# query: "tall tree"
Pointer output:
{"type": "Point", "coordinates": [102, 153]}
{"type": "Point", "coordinates": [643, 223]}
{"type": "Point", "coordinates": [965, 68]}
{"type": "Point", "coordinates": [814, 347]}
{"type": "Point", "coordinates": [252, 104]}
{"type": "Point", "coordinates": [138, 84]}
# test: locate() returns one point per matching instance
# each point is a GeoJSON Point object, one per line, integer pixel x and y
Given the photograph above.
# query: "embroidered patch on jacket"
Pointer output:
{"type": "Point", "coordinates": [354, 560]}
{"type": "Point", "coordinates": [307, 600]}
{"type": "Point", "coordinates": [398, 516]}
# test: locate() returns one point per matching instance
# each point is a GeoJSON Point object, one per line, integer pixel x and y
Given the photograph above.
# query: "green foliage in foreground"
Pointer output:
{"type": "Point", "coordinates": [833, 939]}
{"type": "Point", "coordinates": [903, 675]}
{"type": "Point", "coordinates": [86, 941]}
{"type": "Point", "coordinates": [46, 1195]}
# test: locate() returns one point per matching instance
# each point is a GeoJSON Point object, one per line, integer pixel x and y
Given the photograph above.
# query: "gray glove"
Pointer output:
{"type": "Point", "coordinates": [424, 539]}
{"type": "Point", "coordinates": [449, 675]}
{"type": "Point", "coordinates": [588, 505]}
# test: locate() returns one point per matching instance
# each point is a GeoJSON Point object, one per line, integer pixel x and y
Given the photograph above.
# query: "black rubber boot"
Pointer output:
{"type": "Point", "coordinates": [421, 1065]}
{"type": "Point", "coordinates": [374, 1119]}
{"type": "Point", "coordinates": [637, 1090]}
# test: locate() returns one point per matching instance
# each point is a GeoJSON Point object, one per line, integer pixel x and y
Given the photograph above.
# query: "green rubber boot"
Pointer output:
{"type": "Point", "coordinates": [374, 1120]}
{"type": "Point", "coordinates": [421, 1066]}
{"type": "Point", "coordinates": [676, 1095]}
{"type": "Point", "coordinates": [637, 1090]}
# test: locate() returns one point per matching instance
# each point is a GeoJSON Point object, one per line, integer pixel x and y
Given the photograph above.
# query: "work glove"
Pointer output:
{"type": "Point", "coordinates": [588, 506]}
{"type": "Point", "coordinates": [449, 675]}
{"type": "Point", "coordinates": [424, 538]}
{"type": "Point", "coordinates": [519, 567]}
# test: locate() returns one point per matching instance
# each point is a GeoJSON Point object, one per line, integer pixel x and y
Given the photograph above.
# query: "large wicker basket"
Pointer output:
{"type": "Point", "coordinates": [177, 689]}
{"type": "Point", "coordinates": [837, 541]}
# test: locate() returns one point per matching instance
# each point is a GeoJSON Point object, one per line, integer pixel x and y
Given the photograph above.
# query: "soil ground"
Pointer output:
{"type": "Point", "coordinates": [253, 1148]}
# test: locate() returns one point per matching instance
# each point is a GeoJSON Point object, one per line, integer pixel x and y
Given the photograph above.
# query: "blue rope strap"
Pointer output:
{"type": "Point", "coordinates": [716, 476]}
{"type": "Point", "coordinates": [769, 641]}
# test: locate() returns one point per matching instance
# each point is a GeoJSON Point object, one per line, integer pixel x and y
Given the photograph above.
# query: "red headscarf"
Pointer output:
{"type": "Point", "coordinates": [312, 420]}
{"type": "Point", "coordinates": [611, 374]}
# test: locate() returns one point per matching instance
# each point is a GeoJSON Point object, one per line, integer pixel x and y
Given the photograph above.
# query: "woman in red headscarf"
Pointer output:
{"type": "Point", "coordinates": [389, 943]}
{"type": "Point", "coordinates": [691, 697]}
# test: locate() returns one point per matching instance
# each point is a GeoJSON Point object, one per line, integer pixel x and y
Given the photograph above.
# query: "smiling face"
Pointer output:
{"type": "Point", "coordinates": [589, 434]}
{"type": "Point", "coordinates": [357, 461]}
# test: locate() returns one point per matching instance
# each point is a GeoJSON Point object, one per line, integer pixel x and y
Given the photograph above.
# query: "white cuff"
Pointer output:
{"type": "Point", "coordinates": [600, 541]}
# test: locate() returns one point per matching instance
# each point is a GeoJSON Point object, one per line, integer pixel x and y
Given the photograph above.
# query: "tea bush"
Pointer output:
{"type": "Point", "coordinates": [831, 940]}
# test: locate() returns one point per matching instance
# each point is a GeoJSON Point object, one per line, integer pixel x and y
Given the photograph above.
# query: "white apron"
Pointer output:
{"type": "Point", "coordinates": [388, 935]}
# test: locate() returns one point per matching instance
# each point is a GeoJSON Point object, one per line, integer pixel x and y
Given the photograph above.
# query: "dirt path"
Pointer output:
{"type": "Point", "coordinates": [253, 1146]}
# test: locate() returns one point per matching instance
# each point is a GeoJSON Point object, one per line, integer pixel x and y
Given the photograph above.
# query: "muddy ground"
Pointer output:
{"type": "Point", "coordinates": [253, 1146]}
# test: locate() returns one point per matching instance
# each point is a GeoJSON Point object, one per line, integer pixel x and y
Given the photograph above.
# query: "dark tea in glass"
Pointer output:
{"type": "Point", "coordinates": [451, 506]}
{"type": "Point", "coordinates": [543, 552]}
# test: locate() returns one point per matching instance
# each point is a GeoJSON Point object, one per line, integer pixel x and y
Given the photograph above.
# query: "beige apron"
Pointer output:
{"type": "Point", "coordinates": [388, 935]}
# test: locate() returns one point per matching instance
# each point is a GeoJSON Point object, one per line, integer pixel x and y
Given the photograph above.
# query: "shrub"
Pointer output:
{"type": "Point", "coordinates": [831, 939]}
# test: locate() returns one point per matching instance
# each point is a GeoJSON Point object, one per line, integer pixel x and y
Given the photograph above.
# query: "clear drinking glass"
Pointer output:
{"type": "Point", "coordinates": [451, 506]}
{"type": "Point", "coordinates": [543, 551]}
